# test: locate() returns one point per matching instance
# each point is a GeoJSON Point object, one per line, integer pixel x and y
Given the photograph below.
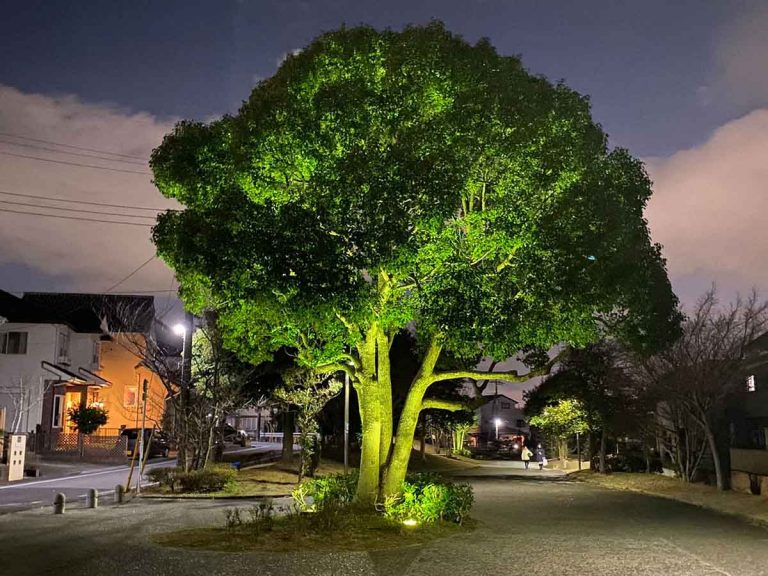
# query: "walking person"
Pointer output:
{"type": "Point", "coordinates": [525, 456]}
{"type": "Point", "coordinates": [541, 456]}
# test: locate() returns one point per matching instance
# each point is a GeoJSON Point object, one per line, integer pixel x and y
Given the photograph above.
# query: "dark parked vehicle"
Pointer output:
{"type": "Point", "coordinates": [159, 445]}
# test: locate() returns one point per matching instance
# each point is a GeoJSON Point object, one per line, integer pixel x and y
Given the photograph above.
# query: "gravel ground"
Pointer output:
{"type": "Point", "coordinates": [525, 527]}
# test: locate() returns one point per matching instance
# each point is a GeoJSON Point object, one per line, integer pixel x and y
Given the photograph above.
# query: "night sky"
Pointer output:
{"type": "Point", "coordinates": [683, 85]}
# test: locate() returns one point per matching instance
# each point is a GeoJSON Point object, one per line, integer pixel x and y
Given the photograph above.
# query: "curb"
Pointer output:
{"type": "Point", "coordinates": [204, 497]}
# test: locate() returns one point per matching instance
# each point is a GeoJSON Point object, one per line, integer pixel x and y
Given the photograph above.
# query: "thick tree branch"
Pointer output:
{"type": "Point", "coordinates": [450, 405]}
{"type": "Point", "coordinates": [510, 376]}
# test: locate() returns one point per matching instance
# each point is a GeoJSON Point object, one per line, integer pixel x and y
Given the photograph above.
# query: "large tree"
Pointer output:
{"type": "Point", "coordinates": [382, 180]}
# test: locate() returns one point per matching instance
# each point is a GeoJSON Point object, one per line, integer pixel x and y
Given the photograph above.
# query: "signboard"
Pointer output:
{"type": "Point", "coordinates": [16, 450]}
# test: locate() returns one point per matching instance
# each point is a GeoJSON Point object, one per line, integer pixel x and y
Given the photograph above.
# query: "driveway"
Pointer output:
{"type": "Point", "coordinates": [526, 527]}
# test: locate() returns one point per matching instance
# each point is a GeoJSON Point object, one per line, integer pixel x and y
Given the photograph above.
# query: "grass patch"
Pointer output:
{"type": "Point", "coordinates": [276, 479]}
{"type": "Point", "coordinates": [745, 506]}
{"type": "Point", "coordinates": [345, 529]}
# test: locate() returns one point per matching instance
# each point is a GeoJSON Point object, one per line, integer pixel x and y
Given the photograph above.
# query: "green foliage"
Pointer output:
{"type": "Point", "coordinates": [332, 490]}
{"type": "Point", "coordinates": [87, 419]}
{"type": "Point", "coordinates": [486, 194]}
{"type": "Point", "coordinates": [429, 498]}
{"type": "Point", "coordinates": [308, 393]}
{"type": "Point", "coordinates": [210, 479]}
{"type": "Point", "coordinates": [561, 420]}
{"type": "Point", "coordinates": [166, 477]}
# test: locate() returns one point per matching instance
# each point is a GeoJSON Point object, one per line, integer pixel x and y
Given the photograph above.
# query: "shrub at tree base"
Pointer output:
{"type": "Point", "coordinates": [211, 479]}
{"type": "Point", "coordinates": [319, 493]}
{"type": "Point", "coordinates": [428, 498]}
{"type": "Point", "coordinates": [425, 498]}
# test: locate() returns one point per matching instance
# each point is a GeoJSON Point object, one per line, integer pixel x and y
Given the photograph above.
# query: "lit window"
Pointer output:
{"type": "Point", "coordinates": [751, 383]}
{"type": "Point", "coordinates": [131, 397]}
{"type": "Point", "coordinates": [13, 343]}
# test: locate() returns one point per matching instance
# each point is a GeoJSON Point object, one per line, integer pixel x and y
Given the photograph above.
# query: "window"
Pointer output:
{"type": "Point", "coordinates": [64, 347]}
{"type": "Point", "coordinates": [13, 343]}
{"type": "Point", "coordinates": [131, 398]}
{"type": "Point", "coordinates": [505, 406]}
{"type": "Point", "coordinates": [751, 383]}
{"type": "Point", "coordinates": [96, 358]}
{"type": "Point", "coordinates": [58, 411]}
{"type": "Point", "coordinates": [521, 423]}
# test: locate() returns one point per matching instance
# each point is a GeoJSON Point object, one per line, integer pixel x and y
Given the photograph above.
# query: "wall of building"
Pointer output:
{"type": "Point", "coordinates": [122, 398]}
{"type": "Point", "coordinates": [41, 345]}
{"type": "Point", "coordinates": [508, 412]}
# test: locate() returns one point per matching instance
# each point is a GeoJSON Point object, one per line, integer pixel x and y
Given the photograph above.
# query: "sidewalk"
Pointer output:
{"type": "Point", "coordinates": [753, 509]}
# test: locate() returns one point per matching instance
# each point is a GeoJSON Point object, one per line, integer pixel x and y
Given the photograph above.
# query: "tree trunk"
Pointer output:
{"type": "Point", "coordinates": [288, 426]}
{"type": "Point", "coordinates": [715, 452]}
{"type": "Point", "coordinates": [601, 453]}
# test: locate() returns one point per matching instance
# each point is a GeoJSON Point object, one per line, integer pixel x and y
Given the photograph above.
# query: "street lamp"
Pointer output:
{"type": "Point", "coordinates": [497, 421]}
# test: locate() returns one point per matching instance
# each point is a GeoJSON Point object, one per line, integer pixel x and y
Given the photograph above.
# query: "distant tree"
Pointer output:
{"type": "Point", "coordinates": [385, 180]}
{"type": "Point", "coordinates": [88, 419]}
{"type": "Point", "coordinates": [595, 377]}
{"type": "Point", "coordinates": [694, 377]}
{"type": "Point", "coordinates": [308, 393]}
{"type": "Point", "coordinates": [560, 422]}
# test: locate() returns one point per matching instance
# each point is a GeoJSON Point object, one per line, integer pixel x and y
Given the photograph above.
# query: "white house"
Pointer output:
{"type": "Point", "coordinates": [503, 414]}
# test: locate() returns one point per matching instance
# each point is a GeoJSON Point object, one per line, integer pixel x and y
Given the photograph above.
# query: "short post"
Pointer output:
{"type": "Point", "coordinates": [59, 503]}
{"type": "Point", "coordinates": [92, 498]}
{"type": "Point", "coordinates": [119, 494]}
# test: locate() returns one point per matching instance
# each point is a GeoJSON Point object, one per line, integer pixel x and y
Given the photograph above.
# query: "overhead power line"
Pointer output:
{"type": "Point", "coordinates": [61, 217]}
{"type": "Point", "coordinates": [90, 203]}
{"type": "Point", "coordinates": [76, 210]}
{"type": "Point", "coordinates": [82, 154]}
{"type": "Point", "coordinates": [108, 290]}
{"type": "Point", "coordinates": [101, 151]}
{"type": "Point", "coordinates": [74, 163]}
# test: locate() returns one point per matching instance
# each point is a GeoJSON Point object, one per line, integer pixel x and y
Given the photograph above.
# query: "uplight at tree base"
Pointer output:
{"type": "Point", "coordinates": [410, 522]}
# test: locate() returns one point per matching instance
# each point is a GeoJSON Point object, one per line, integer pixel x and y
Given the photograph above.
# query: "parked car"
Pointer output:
{"type": "Point", "coordinates": [159, 445]}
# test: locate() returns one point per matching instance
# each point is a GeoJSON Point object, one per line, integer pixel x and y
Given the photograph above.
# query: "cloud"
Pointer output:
{"type": "Point", "coordinates": [709, 209]}
{"type": "Point", "coordinates": [741, 54]}
{"type": "Point", "coordinates": [69, 254]}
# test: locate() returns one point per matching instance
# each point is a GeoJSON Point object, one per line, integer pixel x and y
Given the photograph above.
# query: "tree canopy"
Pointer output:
{"type": "Point", "coordinates": [386, 179]}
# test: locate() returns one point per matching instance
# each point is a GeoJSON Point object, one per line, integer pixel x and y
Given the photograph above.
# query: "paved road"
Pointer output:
{"type": "Point", "coordinates": [37, 493]}
{"type": "Point", "coordinates": [74, 481]}
{"type": "Point", "coordinates": [526, 527]}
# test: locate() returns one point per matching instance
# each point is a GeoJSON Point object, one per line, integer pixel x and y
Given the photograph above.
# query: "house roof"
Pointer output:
{"type": "Point", "coordinates": [86, 313]}
{"type": "Point", "coordinates": [492, 397]}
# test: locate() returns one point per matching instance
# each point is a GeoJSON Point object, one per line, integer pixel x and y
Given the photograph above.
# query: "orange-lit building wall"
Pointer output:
{"type": "Point", "coordinates": [122, 398]}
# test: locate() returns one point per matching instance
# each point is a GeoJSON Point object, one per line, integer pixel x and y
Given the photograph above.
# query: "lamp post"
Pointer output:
{"type": "Point", "coordinates": [346, 422]}
{"type": "Point", "coordinates": [185, 331]}
{"type": "Point", "coordinates": [497, 421]}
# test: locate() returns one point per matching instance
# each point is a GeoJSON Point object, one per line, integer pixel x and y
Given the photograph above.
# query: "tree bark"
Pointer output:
{"type": "Point", "coordinates": [601, 453]}
{"type": "Point", "coordinates": [288, 425]}
{"type": "Point", "coordinates": [715, 452]}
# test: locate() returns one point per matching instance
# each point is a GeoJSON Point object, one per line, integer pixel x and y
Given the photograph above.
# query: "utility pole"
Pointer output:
{"type": "Point", "coordinates": [346, 422]}
{"type": "Point", "coordinates": [186, 372]}
{"type": "Point", "coordinates": [141, 438]}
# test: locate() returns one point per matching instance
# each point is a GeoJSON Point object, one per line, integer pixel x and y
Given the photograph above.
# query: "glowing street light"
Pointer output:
{"type": "Point", "coordinates": [497, 421]}
{"type": "Point", "coordinates": [179, 329]}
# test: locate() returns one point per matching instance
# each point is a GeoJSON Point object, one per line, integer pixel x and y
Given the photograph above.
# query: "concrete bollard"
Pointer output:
{"type": "Point", "coordinates": [92, 499]}
{"type": "Point", "coordinates": [59, 503]}
{"type": "Point", "coordinates": [119, 494]}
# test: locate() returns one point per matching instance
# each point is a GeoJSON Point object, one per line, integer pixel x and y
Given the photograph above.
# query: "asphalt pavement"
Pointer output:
{"type": "Point", "coordinates": [525, 526]}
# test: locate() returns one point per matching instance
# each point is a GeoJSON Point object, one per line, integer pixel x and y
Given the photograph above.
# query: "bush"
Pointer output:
{"type": "Point", "coordinates": [211, 479]}
{"type": "Point", "coordinates": [428, 498]}
{"type": "Point", "coordinates": [166, 477]}
{"type": "Point", "coordinates": [336, 488]}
